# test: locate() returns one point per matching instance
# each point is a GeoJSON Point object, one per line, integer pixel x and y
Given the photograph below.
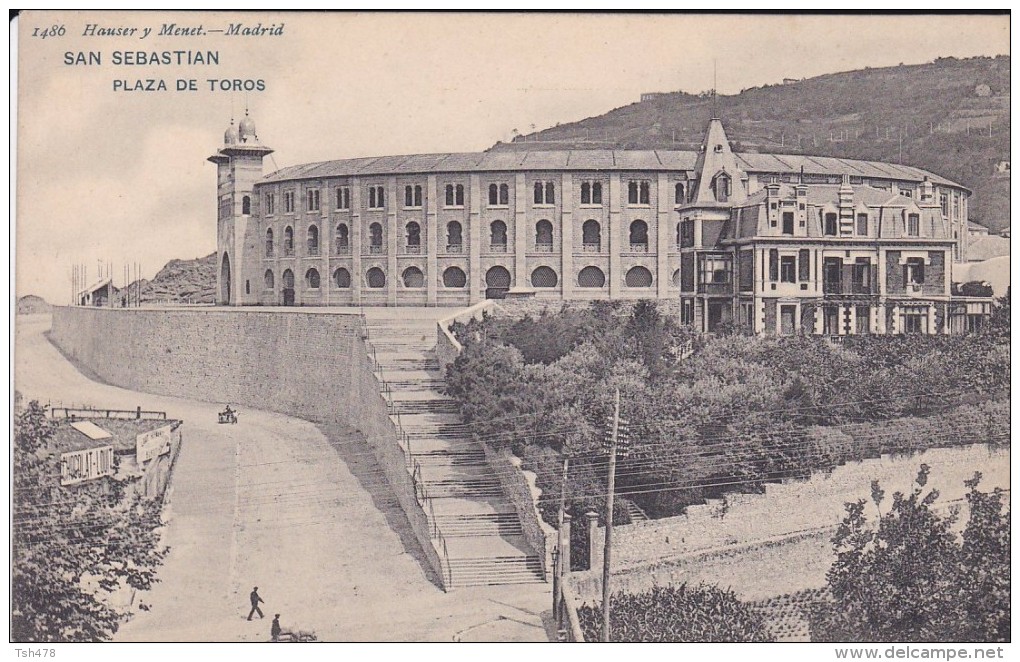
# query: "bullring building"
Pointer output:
{"type": "Point", "coordinates": [774, 243]}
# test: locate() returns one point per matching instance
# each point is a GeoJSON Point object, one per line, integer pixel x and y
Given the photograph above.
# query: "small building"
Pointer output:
{"type": "Point", "coordinates": [648, 96]}
{"type": "Point", "coordinates": [976, 229]}
{"type": "Point", "coordinates": [100, 293]}
{"type": "Point", "coordinates": [92, 444]}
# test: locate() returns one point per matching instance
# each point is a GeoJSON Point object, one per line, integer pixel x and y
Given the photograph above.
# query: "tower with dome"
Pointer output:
{"type": "Point", "coordinates": [238, 168]}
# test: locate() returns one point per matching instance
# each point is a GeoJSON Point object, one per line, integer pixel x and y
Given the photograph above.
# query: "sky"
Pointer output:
{"type": "Point", "coordinates": [121, 176]}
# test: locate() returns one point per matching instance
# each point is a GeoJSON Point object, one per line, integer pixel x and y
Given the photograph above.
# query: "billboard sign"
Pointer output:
{"type": "Point", "coordinates": [86, 464]}
{"type": "Point", "coordinates": [153, 443]}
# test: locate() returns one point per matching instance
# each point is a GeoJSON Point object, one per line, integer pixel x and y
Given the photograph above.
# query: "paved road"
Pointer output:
{"type": "Point", "coordinates": [300, 511]}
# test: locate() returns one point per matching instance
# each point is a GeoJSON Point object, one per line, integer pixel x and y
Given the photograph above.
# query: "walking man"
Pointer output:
{"type": "Point", "coordinates": [275, 631]}
{"type": "Point", "coordinates": [255, 600]}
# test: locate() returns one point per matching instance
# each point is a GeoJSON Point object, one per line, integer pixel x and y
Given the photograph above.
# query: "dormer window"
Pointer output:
{"type": "Point", "coordinates": [721, 187]}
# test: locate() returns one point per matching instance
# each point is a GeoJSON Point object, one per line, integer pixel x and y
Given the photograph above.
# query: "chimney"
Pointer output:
{"type": "Point", "coordinates": [927, 192]}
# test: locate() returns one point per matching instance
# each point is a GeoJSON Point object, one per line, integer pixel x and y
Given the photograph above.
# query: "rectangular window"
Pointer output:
{"type": "Point", "coordinates": [773, 265]}
{"type": "Point", "coordinates": [913, 225]}
{"type": "Point", "coordinates": [270, 204]}
{"type": "Point", "coordinates": [686, 311]}
{"type": "Point", "coordinates": [830, 320]}
{"type": "Point", "coordinates": [914, 320]}
{"type": "Point", "coordinates": [862, 276]}
{"type": "Point", "coordinates": [944, 204]}
{"type": "Point", "coordinates": [686, 234]}
{"type": "Point", "coordinates": [862, 225]}
{"type": "Point", "coordinates": [831, 227]}
{"type": "Point", "coordinates": [788, 269]}
{"type": "Point", "coordinates": [832, 275]}
{"type": "Point", "coordinates": [804, 265]}
{"type": "Point", "coordinates": [787, 222]}
{"type": "Point", "coordinates": [863, 317]}
{"type": "Point", "coordinates": [343, 198]}
{"type": "Point", "coordinates": [914, 271]}
{"type": "Point", "coordinates": [312, 200]}
{"type": "Point", "coordinates": [288, 202]}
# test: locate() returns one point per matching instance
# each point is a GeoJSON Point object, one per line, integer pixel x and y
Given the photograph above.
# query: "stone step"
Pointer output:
{"type": "Point", "coordinates": [495, 570]}
{"type": "Point", "coordinates": [433, 406]}
{"type": "Point", "coordinates": [494, 524]}
{"type": "Point", "coordinates": [463, 487]}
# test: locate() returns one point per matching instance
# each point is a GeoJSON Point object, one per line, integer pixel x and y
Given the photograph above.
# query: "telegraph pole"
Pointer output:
{"type": "Point", "coordinates": [558, 570]}
{"type": "Point", "coordinates": [609, 518]}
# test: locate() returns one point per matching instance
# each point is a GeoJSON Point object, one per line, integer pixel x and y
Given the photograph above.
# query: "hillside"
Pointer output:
{"type": "Point", "coordinates": [180, 281]}
{"type": "Point", "coordinates": [949, 116]}
{"type": "Point", "coordinates": [31, 304]}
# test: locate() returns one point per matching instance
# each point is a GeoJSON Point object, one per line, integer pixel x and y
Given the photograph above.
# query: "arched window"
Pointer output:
{"type": "Point", "coordinates": [591, 234]}
{"type": "Point", "coordinates": [413, 277]}
{"type": "Point", "coordinates": [721, 187]}
{"type": "Point", "coordinates": [550, 193]}
{"type": "Point", "coordinates": [544, 277]}
{"type": "Point", "coordinates": [269, 242]}
{"type": "Point", "coordinates": [504, 194]}
{"type": "Point", "coordinates": [676, 278]}
{"type": "Point", "coordinates": [376, 278]}
{"type": "Point", "coordinates": [288, 279]}
{"type": "Point", "coordinates": [313, 240]}
{"type": "Point", "coordinates": [413, 236]}
{"type": "Point", "coordinates": [269, 280]}
{"type": "Point", "coordinates": [596, 193]}
{"type": "Point", "coordinates": [312, 279]}
{"type": "Point", "coordinates": [639, 236]}
{"type": "Point", "coordinates": [544, 235]}
{"type": "Point", "coordinates": [375, 238]}
{"type": "Point", "coordinates": [493, 194]}
{"type": "Point", "coordinates": [639, 277]}
{"type": "Point", "coordinates": [454, 277]}
{"type": "Point", "coordinates": [342, 278]}
{"type": "Point", "coordinates": [288, 240]}
{"type": "Point", "coordinates": [449, 195]}
{"type": "Point", "coordinates": [343, 239]}
{"type": "Point", "coordinates": [539, 191]}
{"type": "Point", "coordinates": [246, 205]}
{"type": "Point", "coordinates": [678, 196]}
{"type": "Point", "coordinates": [454, 237]}
{"type": "Point", "coordinates": [460, 195]}
{"type": "Point", "coordinates": [591, 277]}
{"type": "Point", "coordinates": [497, 236]}
{"type": "Point", "coordinates": [247, 287]}
{"type": "Point", "coordinates": [585, 193]}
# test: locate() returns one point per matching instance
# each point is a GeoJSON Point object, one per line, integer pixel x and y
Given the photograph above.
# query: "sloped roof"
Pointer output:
{"type": "Point", "coordinates": [986, 247]}
{"type": "Point", "coordinates": [591, 160]}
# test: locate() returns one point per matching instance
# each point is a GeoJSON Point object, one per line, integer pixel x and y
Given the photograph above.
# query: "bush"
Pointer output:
{"type": "Point", "coordinates": [676, 614]}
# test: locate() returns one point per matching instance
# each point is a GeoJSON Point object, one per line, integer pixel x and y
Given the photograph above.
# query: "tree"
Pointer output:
{"type": "Point", "coordinates": [911, 578]}
{"type": "Point", "coordinates": [71, 547]}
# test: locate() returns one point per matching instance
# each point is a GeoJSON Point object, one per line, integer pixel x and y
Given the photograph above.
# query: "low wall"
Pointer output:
{"type": "Point", "coordinates": [778, 542]}
{"type": "Point", "coordinates": [447, 346]}
{"type": "Point", "coordinates": [515, 487]}
{"type": "Point", "coordinates": [312, 365]}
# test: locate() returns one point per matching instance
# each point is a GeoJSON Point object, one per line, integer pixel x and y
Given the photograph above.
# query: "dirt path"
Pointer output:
{"type": "Point", "coordinates": [301, 512]}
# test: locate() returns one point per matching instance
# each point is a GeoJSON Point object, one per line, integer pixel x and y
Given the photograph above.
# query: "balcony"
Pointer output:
{"type": "Point", "coordinates": [497, 248]}
{"type": "Point", "coordinates": [343, 250]}
{"type": "Point", "coordinates": [288, 251]}
{"type": "Point", "coordinates": [842, 287]}
{"type": "Point", "coordinates": [313, 251]}
{"type": "Point", "coordinates": [915, 289]}
{"type": "Point", "coordinates": [543, 248]}
{"type": "Point", "coordinates": [269, 251]}
{"type": "Point", "coordinates": [455, 248]}
{"type": "Point", "coordinates": [639, 248]}
{"type": "Point", "coordinates": [412, 249]}
{"type": "Point", "coordinates": [591, 248]}
{"type": "Point", "coordinates": [716, 289]}
{"type": "Point", "coordinates": [375, 250]}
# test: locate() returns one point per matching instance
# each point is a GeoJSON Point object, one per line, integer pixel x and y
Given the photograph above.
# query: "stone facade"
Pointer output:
{"type": "Point", "coordinates": [455, 229]}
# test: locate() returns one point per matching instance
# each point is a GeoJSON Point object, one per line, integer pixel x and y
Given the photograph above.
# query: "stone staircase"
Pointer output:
{"type": "Point", "coordinates": [475, 529]}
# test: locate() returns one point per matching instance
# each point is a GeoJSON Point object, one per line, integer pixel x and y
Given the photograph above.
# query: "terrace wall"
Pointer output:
{"type": "Point", "coordinates": [777, 542]}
